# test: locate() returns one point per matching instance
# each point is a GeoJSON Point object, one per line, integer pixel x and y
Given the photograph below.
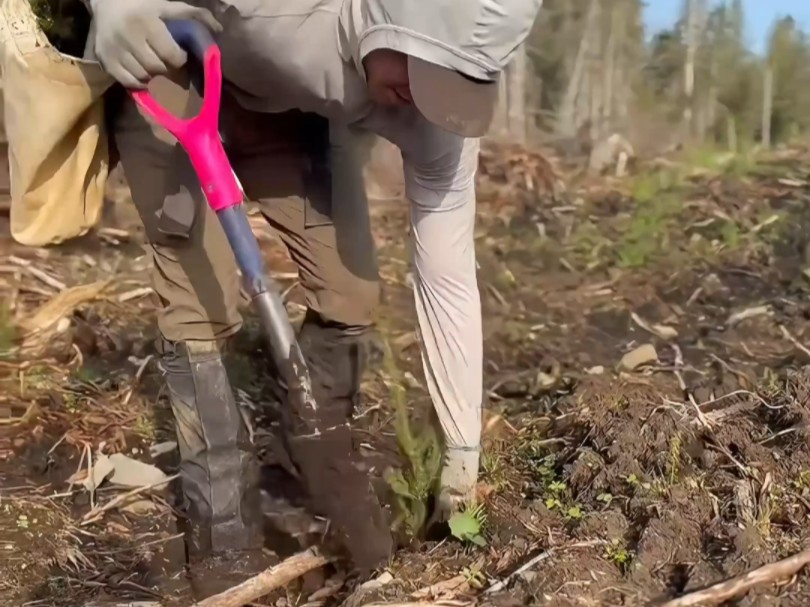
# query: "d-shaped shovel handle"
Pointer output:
{"type": "Point", "coordinates": [199, 135]}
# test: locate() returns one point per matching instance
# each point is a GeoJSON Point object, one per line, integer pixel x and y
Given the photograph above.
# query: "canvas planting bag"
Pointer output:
{"type": "Point", "coordinates": [54, 120]}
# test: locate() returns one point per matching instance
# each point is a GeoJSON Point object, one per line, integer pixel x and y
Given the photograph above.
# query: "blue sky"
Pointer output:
{"type": "Point", "coordinates": [760, 15]}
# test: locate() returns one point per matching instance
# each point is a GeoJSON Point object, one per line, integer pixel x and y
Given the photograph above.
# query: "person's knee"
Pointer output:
{"type": "Point", "coordinates": [352, 305]}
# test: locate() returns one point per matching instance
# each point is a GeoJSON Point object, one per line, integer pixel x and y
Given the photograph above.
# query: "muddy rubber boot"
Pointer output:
{"type": "Point", "coordinates": [320, 445]}
{"type": "Point", "coordinates": [218, 470]}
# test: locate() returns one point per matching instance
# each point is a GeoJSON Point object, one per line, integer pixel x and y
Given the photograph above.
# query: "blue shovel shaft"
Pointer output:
{"type": "Point", "coordinates": [263, 291]}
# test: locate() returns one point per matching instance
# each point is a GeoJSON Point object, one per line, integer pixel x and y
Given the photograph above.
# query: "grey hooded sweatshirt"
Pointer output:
{"type": "Point", "coordinates": [307, 54]}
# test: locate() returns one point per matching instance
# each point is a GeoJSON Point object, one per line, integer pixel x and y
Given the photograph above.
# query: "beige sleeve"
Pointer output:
{"type": "Point", "coordinates": [442, 194]}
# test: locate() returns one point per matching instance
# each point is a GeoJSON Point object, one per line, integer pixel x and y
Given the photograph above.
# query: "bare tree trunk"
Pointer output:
{"type": "Point", "coordinates": [731, 133]}
{"type": "Point", "coordinates": [767, 106]}
{"type": "Point", "coordinates": [608, 92]}
{"type": "Point", "coordinates": [500, 120]}
{"type": "Point", "coordinates": [710, 117]}
{"type": "Point", "coordinates": [693, 19]}
{"type": "Point", "coordinates": [596, 67]}
{"type": "Point", "coordinates": [516, 96]}
{"type": "Point", "coordinates": [534, 104]}
{"type": "Point", "coordinates": [568, 109]}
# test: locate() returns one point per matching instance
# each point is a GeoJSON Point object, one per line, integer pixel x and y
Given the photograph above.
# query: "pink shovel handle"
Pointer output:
{"type": "Point", "coordinates": [199, 135]}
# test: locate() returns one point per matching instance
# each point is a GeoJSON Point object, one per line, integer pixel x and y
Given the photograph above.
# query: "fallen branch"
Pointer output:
{"type": "Point", "coordinates": [545, 555]}
{"type": "Point", "coordinates": [267, 581]}
{"type": "Point", "coordinates": [736, 586]}
{"type": "Point", "coordinates": [789, 336]}
{"type": "Point", "coordinates": [95, 513]}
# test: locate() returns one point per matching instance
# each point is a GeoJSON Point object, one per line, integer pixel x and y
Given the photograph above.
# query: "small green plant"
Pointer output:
{"type": "Point", "coordinates": [7, 332]}
{"type": "Point", "coordinates": [466, 525]}
{"type": "Point", "coordinates": [423, 456]}
{"type": "Point", "coordinates": [617, 552]}
{"type": "Point", "coordinates": [730, 233]}
{"type": "Point", "coordinates": [145, 427]}
{"type": "Point", "coordinates": [557, 490]}
{"type": "Point", "coordinates": [559, 499]}
{"type": "Point", "coordinates": [588, 243]}
{"type": "Point", "coordinates": [802, 482]}
{"type": "Point", "coordinates": [542, 468]}
{"type": "Point", "coordinates": [72, 402]}
{"type": "Point", "coordinates": [637, 484]}
{"type": "Point", "coordinates": [674, 457]}
{"type": "Point", "coordinates": [768, 509]}
{"type": "Point", "coordinates": [474, 577]}
{"type": "Point", "coordinates": [646, 234]}
{"type": "Point", "coordinates": [22, 522]}
{"type": "Point", "coordinates": [86, 375]}
{"type": "Point", "coordinates": [494, 469]}
{"type": "Point", "coordinates": [574, 513]}
{"type": "Point", "coordinates": [605, 498]}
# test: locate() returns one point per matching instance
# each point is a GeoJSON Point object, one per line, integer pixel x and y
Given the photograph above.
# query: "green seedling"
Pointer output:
{"type": "Point", "coordinates": [494, 469]}
{"type": "Point", "coordinates": [802, 482]}
{"type": "Point", "coordinates": [7, 332]}
{"type": "Point", "coordinates": [574, 513]}
{"type": "Point", "coordinates": [466, 525]}
{"type": "Point", "coordinates": [474, 577]}
{"type": "Point", "coordinates": [636, 483]}
{"type": "Point", "coordinates": [617, 553]}
{"type": "Point", "coordinates": [605, 498]}
{"type": "Point", "coordinates": [674, 457]}
{"type": "Point", "coordinates": [421, 449]}
{"type": "Point", "coordinates": [145, 427]}
{"type": "Point", "coordinates": [72, 402]}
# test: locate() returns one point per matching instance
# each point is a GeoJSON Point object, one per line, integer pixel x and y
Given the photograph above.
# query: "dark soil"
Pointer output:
{"type": "Point", "coordinates": [639, 484]}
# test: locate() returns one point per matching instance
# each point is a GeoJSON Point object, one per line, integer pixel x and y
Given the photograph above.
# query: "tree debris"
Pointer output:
{"type": "Point", "coordinates": [740, 585]}
{"type": "Point", "coordinates": [267, 581]}
{"type": "Point", "coordinates": [638, 357]}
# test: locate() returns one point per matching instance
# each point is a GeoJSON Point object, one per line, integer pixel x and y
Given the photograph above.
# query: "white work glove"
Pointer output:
{"type": "Point", "coordinates": [132, 42]}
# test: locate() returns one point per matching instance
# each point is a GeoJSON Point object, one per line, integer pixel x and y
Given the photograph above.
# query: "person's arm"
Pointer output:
{"type": "Point", "coordinates": [440, 184]}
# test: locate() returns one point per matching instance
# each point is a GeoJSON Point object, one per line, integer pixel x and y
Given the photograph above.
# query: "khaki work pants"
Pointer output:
{"type": "Point", "coordinates": [307, 180]}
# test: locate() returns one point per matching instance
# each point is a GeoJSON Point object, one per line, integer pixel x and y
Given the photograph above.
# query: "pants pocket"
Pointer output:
{"type": "Point", "coordinates": [318, 176]}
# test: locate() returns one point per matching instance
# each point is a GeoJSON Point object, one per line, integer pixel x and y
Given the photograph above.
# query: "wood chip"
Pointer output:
{"type": "Point", "coordinates": [135, 294]}
{"type": "Point", "coordinates": [748, 313]}
{"type": "Point", "coordinates": [662, 331]}
{"type": "Point", "coordinates": [643, 355]}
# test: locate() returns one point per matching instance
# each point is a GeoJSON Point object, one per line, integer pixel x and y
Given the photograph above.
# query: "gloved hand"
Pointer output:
{"type": "Point", "coordinates": [132, 42]}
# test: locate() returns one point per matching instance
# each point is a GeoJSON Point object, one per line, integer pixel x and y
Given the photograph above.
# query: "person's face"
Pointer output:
{"type": "Point", "coordinates": [387, 77]}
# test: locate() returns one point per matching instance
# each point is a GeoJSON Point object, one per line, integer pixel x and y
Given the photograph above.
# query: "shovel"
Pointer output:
{"type": "Point", "coordinates": [200, 138]}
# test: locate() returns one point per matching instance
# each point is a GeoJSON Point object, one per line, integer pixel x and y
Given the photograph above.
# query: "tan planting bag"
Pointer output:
{"type": "Point", "coordinates": [54, 120]}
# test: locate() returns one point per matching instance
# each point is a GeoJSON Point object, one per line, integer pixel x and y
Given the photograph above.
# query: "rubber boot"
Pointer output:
{"type": "Point", "coordinates": [218, 470]}
{"type": "Point", "coordinates": [320, 444]}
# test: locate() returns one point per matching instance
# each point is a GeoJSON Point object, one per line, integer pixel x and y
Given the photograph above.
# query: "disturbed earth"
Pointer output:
{"type": "Point", "coordinates": [647, 398]}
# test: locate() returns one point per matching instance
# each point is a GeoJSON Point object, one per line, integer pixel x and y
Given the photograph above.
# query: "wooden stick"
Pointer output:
{"type": "Point", "coordinates": [736, 586]}
{"type": "Point", "coordinates": [93, 515]}
{"type": "Point", "coordinates": [267, 581]}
